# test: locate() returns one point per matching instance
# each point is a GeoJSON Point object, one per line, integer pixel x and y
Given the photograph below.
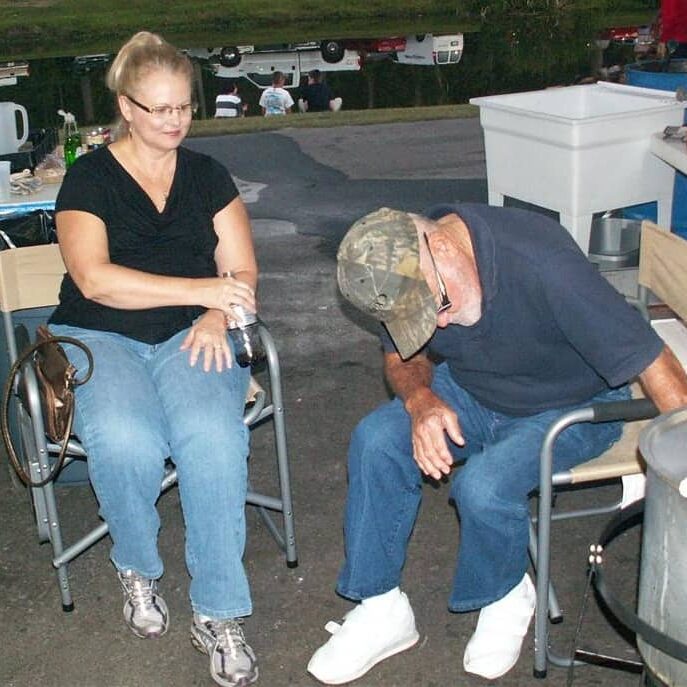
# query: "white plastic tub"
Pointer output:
{"type": "Point", "coordinates": [579, 150]}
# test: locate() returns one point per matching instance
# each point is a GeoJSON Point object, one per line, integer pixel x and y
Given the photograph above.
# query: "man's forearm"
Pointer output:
{"type": "Point", "coordinates": [409, 379]}
{"type": "Point", "coordinates": [665, 382]}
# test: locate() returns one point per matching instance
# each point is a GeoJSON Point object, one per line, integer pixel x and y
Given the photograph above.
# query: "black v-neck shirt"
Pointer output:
{"type": "Point", "coordinates": [179, 241]}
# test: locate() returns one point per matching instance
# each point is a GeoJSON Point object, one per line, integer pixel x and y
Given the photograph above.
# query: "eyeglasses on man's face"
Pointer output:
{"type": "Point", "coordinates": [445, 302]}
{"type": "Point", "coordinates": [166, 111]}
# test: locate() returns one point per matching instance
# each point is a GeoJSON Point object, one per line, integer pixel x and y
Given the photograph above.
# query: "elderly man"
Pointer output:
{"type": "Point", "coordinates": [525, 329]}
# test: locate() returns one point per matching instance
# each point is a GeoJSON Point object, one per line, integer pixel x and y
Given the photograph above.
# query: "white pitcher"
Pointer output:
{"type": "Point", "coordinates": [10, 140]}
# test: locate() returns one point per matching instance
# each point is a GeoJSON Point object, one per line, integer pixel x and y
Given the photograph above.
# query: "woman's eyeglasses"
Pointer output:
{"type": "Point", "coordinates": [166, 111]}
{"type": "Point", "coordinates": [445, 302]}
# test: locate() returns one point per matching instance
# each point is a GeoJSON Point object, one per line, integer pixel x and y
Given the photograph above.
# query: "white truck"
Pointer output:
{"type": "Point", "coordinates": [428, 49]}
{"type": "Point", "coordinates": [10, 71]}
{"type": "Point", "coordinates": [258, 65]}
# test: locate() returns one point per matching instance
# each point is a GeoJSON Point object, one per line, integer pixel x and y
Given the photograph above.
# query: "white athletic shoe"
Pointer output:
{"type": "Point", "coordinates": [377, 628]}
{"type": "Point", "coordinates": [495, 646]}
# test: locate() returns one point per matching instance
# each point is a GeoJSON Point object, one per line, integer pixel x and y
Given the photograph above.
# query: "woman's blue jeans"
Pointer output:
{"type": "Point", "coordinates": [499, 467]}
{"type": "Point", "coordinates": [144, 404]}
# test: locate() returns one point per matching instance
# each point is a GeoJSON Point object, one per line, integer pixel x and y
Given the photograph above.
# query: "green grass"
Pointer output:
{"type": "Point", "coordinates": [31, 29]}
{"type": "Point", "coordinates": [220, 127]}
{"type": "Point", "coordinates": [45, 28]}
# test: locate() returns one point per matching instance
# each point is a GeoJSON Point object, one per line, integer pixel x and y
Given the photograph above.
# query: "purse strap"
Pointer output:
{"type": "Point", "coordinates": [25, 356]}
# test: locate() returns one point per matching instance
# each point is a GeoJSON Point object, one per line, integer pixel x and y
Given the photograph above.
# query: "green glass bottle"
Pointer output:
{"type": "Point", "coordinates": [72, 148]}
{"type": "Point", "coordinates": [72, 139]}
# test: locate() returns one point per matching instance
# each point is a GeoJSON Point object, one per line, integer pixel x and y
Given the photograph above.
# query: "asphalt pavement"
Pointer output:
{"type": "Point", "coordinates": [303, 189]}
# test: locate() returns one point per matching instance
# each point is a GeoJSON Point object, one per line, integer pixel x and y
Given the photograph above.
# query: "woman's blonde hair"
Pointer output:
{"type": "Point", "coordinates": [142, 53]}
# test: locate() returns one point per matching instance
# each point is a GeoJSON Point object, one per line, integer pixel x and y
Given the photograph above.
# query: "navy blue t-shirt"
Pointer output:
{"type": "Point", "coordinates": [180, 241]}
{"type": "Point", "coordinates": [317, 95]}
{"type": "Point", "coordinates": [553, 331]}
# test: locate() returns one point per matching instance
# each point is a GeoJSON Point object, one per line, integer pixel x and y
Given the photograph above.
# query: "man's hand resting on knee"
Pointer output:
{"type": "Point", "coordinates": [432, 419]}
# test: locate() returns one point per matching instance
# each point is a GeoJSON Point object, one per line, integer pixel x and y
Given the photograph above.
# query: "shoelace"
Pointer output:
{"type": "Point", "coordinates": [139, 591]}
{"type": "Point", "coordinates": [229, 636]}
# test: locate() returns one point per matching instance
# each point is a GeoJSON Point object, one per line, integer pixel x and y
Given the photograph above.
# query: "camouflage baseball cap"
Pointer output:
{"type": "Point", "coordinates": [379, 272]}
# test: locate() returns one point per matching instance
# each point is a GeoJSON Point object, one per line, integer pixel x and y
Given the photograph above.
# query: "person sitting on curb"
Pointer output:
{"type": "Point", "coordinates": [525, 329]}
{"type": "Point", "coordinates": [276, 100]}
{"type": "Point", "coordinates": [229, 103]}
{"type": "Point", "coordinates": [317, 96]}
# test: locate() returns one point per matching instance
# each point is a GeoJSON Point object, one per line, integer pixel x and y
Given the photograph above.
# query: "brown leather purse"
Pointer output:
{"type": "Point", "coordinates": [57, 380]}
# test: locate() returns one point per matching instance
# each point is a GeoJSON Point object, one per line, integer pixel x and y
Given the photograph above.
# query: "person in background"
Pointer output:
{"type": "Point", "coordinates": [316, 96]}
{"type": "Point", "coordinates": [145, 227]}
{"type": "Point", "coordinates": [276, 100]}
{"type": "Point", "coordinates": [229, 103]}
{"type": "Point", "coordinates": [673, 28]}
{"type": "Point", "coordinates": [496, 324]}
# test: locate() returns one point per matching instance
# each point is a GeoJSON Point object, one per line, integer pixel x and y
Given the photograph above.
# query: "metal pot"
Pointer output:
{"type": "Point", "coordinates": [663, 574]}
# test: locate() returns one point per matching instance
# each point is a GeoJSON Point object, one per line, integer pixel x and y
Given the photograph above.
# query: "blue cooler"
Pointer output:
{"type": "Point", "coordinates": [661, 76]}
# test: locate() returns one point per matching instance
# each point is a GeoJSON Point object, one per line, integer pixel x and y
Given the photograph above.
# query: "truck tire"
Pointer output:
{"type": "Point", "coordinates": [230, 56]}
{"type": "Point", "coordinates": [332, 51]}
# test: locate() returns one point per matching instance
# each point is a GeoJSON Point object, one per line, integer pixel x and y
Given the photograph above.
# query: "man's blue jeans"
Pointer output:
{"type": "Point", "coordinates": [499, 468]}
{"type": "Point", "coordinates": [145, 404]}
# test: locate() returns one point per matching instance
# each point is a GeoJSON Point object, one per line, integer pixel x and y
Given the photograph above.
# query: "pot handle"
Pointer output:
{"type": "Point", "coordinates": [618, 524]}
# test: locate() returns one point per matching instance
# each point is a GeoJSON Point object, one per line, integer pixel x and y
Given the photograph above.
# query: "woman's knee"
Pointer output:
{"type": "Point", "coordinates": [125, 442]}
{"type": "Point", "coordinates": [218, 447]}
{"type": "Point", "coordinates": [208, 421]}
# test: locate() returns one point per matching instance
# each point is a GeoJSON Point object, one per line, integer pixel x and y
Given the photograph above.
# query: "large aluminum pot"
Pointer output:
{"type": "Point", "coordinates": [663, 574]}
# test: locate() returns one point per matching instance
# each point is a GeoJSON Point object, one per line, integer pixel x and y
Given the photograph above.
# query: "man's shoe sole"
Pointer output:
{"type": "Point", "coordinates": [489, 675]}
{"type": "Point", "coordinates": [396, 649]}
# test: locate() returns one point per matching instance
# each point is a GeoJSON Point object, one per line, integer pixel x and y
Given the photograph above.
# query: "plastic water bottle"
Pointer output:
{"type": "Point", "coordinates": [244, 334]}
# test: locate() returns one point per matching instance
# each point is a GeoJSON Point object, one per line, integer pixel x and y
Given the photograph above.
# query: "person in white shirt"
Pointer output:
{"type": "Point", "coordinates": [229, 103]}
{"type": "Point", "coordinates": [276, 100]}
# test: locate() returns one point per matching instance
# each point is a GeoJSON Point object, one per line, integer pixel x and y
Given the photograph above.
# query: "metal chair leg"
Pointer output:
{"type": "Point", "coordinates": [281, 448]}
{"type": "Point", "coordinates": [554, 609]}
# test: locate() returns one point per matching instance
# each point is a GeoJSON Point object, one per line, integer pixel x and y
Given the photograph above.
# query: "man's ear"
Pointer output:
{"type": "Point", "coordinates": [442, 243]}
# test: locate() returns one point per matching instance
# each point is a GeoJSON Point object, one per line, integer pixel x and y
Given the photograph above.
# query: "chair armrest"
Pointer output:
{"type": "Point", "coordinates": [612, 411]}
{"type": "Point", "coordinates": [634, 409]}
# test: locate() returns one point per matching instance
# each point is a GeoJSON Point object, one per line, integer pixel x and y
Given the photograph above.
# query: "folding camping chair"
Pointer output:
{"type": "Point", "coordinates": [29, 279]}
{"type": "Point", "coordinates": [663, 272]}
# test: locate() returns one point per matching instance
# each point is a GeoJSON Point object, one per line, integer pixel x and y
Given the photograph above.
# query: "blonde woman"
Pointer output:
{"type": "Point", "coordinates": [145, 226]}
